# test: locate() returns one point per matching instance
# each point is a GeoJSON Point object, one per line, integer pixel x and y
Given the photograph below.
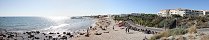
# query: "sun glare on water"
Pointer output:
{"type": "Point", "coordinates": [57, 18]}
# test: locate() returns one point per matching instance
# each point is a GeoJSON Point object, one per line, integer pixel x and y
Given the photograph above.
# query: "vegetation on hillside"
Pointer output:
{"type": "Point", "coordinates": [174, 32]}
{"type": "Point", "coordinates": [178, 25]}
{"type": "Point", "coordinates": [153, 20]}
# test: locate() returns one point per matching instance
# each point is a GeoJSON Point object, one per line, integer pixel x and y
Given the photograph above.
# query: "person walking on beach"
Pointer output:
{"type": "Point", "coordinates": [113, 27]}
{"type": "Point", "coordinates": [127, 28]}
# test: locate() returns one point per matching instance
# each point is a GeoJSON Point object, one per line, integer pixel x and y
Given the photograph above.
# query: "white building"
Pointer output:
{"type": "Point", "coordinates": [136, 14]}
{"type": "Point", "coordinates": [183, 12]}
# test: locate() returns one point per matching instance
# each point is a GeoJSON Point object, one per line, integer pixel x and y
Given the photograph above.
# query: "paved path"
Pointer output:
{"type": "Point", "coordinates": [144, 28]}
{"type": "Point", "coordinates": [203, 30]}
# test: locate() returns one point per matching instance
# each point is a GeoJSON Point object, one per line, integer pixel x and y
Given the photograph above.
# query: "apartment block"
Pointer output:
{"type": "Point", "coordinates": [183, 12]}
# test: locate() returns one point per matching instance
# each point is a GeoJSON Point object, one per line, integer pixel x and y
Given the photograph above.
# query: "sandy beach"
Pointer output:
{"type": "Point", "coordinates": [118, 33]}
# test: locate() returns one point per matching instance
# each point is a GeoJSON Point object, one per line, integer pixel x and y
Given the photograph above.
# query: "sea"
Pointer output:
{"type": "Point", "coordinates": [44, 24]}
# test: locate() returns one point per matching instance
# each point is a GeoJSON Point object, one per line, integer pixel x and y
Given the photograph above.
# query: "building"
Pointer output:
{"type": "Point", "coordinates": [124, 15]}
{"type": "Point", "coordinates": [205, 12]}
{"type": "Point", "coordinates": [136, 14]}
{"type": "Point", "coordinates": [182, 12]}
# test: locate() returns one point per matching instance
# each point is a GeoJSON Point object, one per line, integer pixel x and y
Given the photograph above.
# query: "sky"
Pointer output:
{"type": "Point", "coordinates": [93, 7]}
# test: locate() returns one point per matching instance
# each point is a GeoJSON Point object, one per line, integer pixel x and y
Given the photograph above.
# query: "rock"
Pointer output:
{"type": "Point", "coordinates": [63, 37]}
{"type": "Point", "coordinates": [37, 32]}
{"type": "Point", "coordinates": [1, 34]}
{"type": "Point", "coordinates": [87, 35]}
{"type": "Point", "coordinates": [64, 32]}
{"type": "Point", "coordinates": [59, 35]}
{"type": "Point", "coordinates": [106, 32]}
{"type": "Point", "coordinates": [98, 33]}
{"type": "Point", "coordinates": [10, 36]}
{"type": "Point", "coordinates": [122, 28]}
{"type": "Point", "coordinates": [30, 36]}
{"type": "Point", "coordinates": [4, 35]}
{"type": "Point", "coordinates": [44, 33]}
{"type": "Point", "coordinates": [15, 39]}
{"type": "Point", "coordinates": [29, 33]}
{"type": "Point", "coordinates": [71, 35]}
{"type": "Point", "coordinates": [55, 39]}
{"type": "Point", "coordinates": [37, 38]}
{"type": "Point", "coordinates": [51, 33]}
{"type": "Point", "coordinates": [103, 29]}
{"type": "Point", "coordinates": [68, 34]}
{"type": "Point", "coordinates": [90, 27]}
{"type": "Point", "coordinates": [33, 31]}
{"type": "Point", "coordinates": [46, 36]}
{"type": "Point", "coordinates": [50, 37]}
{"type": "Point", "coordinates": [81, 33]}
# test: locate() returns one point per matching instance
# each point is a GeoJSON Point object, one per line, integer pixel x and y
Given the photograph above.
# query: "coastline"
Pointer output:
{"type": "Point", "coordinates": [101, 29]}
{"type": "Point", "coordinates": [39, 35]}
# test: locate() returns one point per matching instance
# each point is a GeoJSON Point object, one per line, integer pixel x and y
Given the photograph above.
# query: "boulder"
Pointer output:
{"type": "Point", "coordinates": [64, 32]}
{"type": "Point", "coordinates": [51, 33]}
{"type": "Point", "coordinates": [98, 33]}
{"type": "Point", "coordinates": [37, 38]}
{"type": "Point", "coordinates": [106, 31]}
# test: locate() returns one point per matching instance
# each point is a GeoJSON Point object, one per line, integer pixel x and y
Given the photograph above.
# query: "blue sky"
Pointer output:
{"type": "Point", "coordinates": [93, 7]}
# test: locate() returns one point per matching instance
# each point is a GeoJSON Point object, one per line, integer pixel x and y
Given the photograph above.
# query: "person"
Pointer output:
{"type": "Point", "coordinates": [87, 35]}
{"type": "Point", "coordinates": [127, 28]}
{"type": "Point", "coordinates": [145, 38]}
{"type": "Point", "coordinates": [113, 27]}
{"type": "Point", "coordinates": [149, 32]}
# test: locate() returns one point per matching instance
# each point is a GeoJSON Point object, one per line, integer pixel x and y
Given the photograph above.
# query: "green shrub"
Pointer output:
{"type": "Point", "coordinates": [155, 37]}
{"type": "Point", "coordinates": [160, 35]}
{"type": "Point", "coordinates": [178, 31]}
{"type": "Point", "coordinates": [170, 32]}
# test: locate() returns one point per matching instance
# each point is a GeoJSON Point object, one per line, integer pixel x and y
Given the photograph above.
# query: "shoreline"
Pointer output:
{"type": "Point", "coordinates": [101, 29]}
{"type": "Point", "coordinates": [38, 35]}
